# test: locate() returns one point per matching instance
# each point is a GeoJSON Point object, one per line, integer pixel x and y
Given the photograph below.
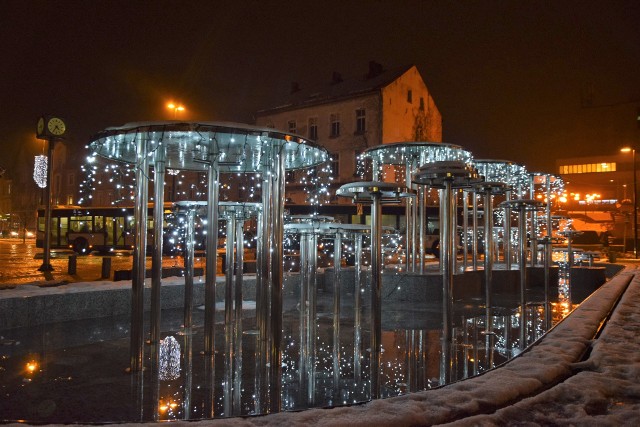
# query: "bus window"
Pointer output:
{"type": "Point", "coordinates": [80, 224]}
{"type": "Point", "coordinates": [98, 224]}
{"type": "Point", "coordinates": [64, 228]}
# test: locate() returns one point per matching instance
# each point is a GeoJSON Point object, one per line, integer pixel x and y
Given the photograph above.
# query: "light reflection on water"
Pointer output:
{"type": "Point", "coordinates": [75, 372]}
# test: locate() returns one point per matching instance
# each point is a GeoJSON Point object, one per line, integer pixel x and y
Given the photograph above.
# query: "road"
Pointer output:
{"type": "Point", "coordinates": [19, 263]}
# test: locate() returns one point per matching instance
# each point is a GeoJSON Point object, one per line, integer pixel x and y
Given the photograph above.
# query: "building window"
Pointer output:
{"type": "Point", "coordinates": [588, 168]}
{"type": "Point", "coordinates": [335, 125]}
{"type": "Point", "coordinates": [292, 126]}
{"type": "Point", "coordinates": [421, 103]}
{"type": "Point", "coordinates": [335, 164]}
{"type": "Point", "coordinates": [313, 128]}
{"type": "Point", "coordinates": [361, 122]}
{"type": "Point", "coordinates": [69, 200]}
{"type": "Point", "coordinates": [71, 179]}
{"type": "Point", "coordinates": [409, 96]}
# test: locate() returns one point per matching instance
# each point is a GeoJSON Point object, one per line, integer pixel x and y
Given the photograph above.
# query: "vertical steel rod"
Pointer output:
{"type": "Point", "coordinates": [357, 320]}
{"type": "Point", "coordinates": [188, 267]}
{"type": "Point", "coordinates": [228, 315]}
{"type": "Point", "coordinates": [376, 298]}
{"type": "Point", "coordinates": [140, 213]}
{"type": "Point", "coordinates": [447, 254]}
{"type": "Point", "coordinates": [337, 288]}
{"type": "Point", "coordinates": [156, 262]}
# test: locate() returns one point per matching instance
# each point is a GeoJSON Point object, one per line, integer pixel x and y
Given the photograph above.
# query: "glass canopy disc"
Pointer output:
{"type": "Point", "coordinates": [400, 153]}
{"type": "Point", "coordinates": [509, 173]}
{"type": "Point", "coordinates": [238, 147]}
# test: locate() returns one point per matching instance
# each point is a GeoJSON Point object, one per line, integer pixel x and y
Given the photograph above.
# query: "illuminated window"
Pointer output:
{"type": "Point", "coordinates": [588, 168]}
{"type": "Point", "coordinates": [292, 126]}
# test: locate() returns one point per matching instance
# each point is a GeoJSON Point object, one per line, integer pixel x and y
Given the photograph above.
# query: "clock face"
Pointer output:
{"type": "Point", "coordinates": [56, 126]}
{"type": "Point", "coordinates": [40, 126]}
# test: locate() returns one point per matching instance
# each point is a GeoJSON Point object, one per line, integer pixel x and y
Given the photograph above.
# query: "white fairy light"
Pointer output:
{"type": "Point", "coordinates": [40, 171]}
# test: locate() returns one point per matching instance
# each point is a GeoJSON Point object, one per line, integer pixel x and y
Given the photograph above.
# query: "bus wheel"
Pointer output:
{"type": "Point", "coordinates": [81, 246]}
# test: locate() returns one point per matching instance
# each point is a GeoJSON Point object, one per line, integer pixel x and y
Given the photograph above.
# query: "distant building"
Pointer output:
{"type": "Point", "coordinates": [347, 116]}
{"type": "Point", "coordinates": [609, 176]}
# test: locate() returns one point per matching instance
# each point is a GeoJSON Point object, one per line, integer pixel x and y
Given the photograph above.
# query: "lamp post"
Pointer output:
{"type": "Point", "coordinates": [50, 129]}
{"type": "Point", "coordinates": [175, 108]}
{"type": "Point", "coordinates": [635, 199]}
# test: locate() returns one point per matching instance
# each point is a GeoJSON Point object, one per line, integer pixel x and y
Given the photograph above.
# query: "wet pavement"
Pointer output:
{"type": "Point", "coordinates": [20, 260]}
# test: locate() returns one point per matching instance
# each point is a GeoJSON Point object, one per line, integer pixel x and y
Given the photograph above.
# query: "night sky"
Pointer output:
{"type": "Point", "coordinates": [528, 81]}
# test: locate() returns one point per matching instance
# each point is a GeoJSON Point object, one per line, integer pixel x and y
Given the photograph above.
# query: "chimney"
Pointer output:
{"type": "Point", "coordinates": [336, 78]}
{"type": "Point", "coordinates": [375, 69]}
{"type": "Point", "coordinates": [295, 87]}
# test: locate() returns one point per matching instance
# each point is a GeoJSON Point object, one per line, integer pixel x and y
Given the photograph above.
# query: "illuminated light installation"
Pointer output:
{"type": "Point", "coordinates": [375, 193]}
{"type": "Point", "coordinates": [521, 207]}
{"type": "Point", "coordinates": [403, 159]}
{"type": "Point", "coordinates": [169, 359]}
{"type": "Point", "coordinates": [214, 148]}
{"type": "Point", "coordinates": [516, 181]}
{"type": "Point", "coordinates": [447, 175]}
{"type": "Point", "coordinates": [547, 187]}
{"type": "Point", "coordinates": [40, 171]}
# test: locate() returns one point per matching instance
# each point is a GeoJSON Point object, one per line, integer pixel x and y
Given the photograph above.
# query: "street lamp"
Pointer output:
{"type": "Point", "coordinates": [175, 108]}
{"type": "Point", "coordinates": [635, 199]}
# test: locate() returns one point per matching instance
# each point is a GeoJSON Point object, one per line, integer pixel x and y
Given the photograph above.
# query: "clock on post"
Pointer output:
{"type": "Point", "coordinates": [49, 127]}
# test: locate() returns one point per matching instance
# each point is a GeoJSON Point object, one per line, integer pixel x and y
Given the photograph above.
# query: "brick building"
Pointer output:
{"type": "Point", "coordinates": [347, 116]}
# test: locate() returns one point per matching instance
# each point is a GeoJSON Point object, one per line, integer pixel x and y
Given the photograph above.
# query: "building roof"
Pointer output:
{"type": "Point", "coordinates": [337, 89]}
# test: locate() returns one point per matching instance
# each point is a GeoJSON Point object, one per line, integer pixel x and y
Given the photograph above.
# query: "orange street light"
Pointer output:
{"type": "Point", "coordinates": [632, 150]}
{"type": "Point", "coordinates": [175, 108]}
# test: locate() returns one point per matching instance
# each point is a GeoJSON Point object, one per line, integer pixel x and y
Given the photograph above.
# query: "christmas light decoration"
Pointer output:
{"type": "Point", "coordinates": [40, 171]}
{"type": "Point", "coordinates": [169, 359]}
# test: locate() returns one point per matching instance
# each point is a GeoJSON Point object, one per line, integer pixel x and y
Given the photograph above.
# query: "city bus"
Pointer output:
{"type": "Point", "coordinates": [87, 229]}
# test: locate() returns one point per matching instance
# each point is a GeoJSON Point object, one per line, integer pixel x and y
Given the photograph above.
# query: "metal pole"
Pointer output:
{"type": "Point", "coordinates": [488, 258]}
{"type": "Point", "coordinates": [237, 371]}
{"type": "Point", "coordinates": [188, 269]}
{"type": "Point", "coordinates": [304, 319]}
{"type": "Point", "coordinates": [522, 244]}
{"type": "Point", "coordinates": [46, 254]}
{"type": "Point", "coordinates": [210, 279]}
{"type": "Point", "coordinates": [635, 206]}
{"type": "Point", "coordinates": [312, 325]}
{"type": "Point", "coordinates": [228, 315]}
{"type": "Point", "coordinates": [337, 286]}
{"type": "Point", "coordinates": [475, 231]}
{"type": "Point", "coordinates": [465, 228]}
{"type": "Point", "coordinates": [506, 237]}
{"type": "Point", "coordinates": [140, 213]}
{"type": "Point", "coordinates": [421, 233]}
{"type": "Point", "coordinates": [534, 225]}
{"type": "Point", "coordinates": [156, 261]}
{"type": "Point", "coordinates": [547, 256]}
{"type": "Point", "coordinates": [447, 255]}
{"type": "Point", "coordinates": [357, 321]}
{"type": "Point", "coordinates": [376, 291]}
{"type": "Point", "coordinates": [277, 181]}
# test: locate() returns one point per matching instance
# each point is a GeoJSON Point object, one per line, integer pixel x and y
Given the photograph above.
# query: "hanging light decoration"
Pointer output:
{"type": "Point", "coordinates": [169, 359]}
{"type": "Point", "coordinates": [40, 171]}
